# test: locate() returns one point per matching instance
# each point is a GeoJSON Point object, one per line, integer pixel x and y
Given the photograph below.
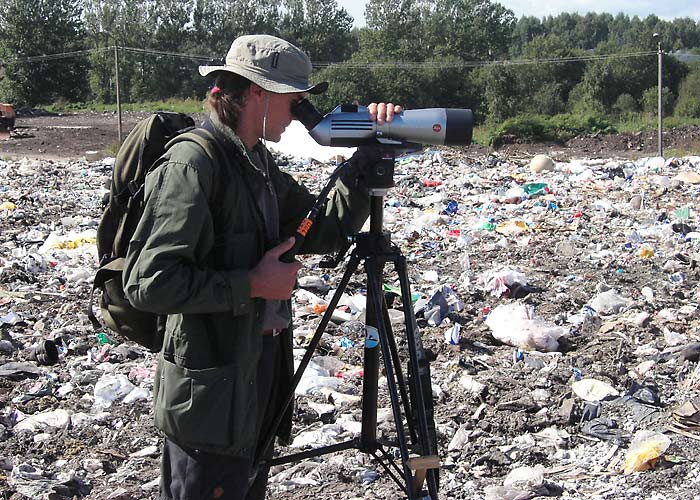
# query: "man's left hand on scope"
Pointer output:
{"type": "Point", "coordinates": [383, 112]}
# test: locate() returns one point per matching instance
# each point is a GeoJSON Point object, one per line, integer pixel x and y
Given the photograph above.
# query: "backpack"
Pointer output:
{"type": "Point", "coordinates": [140, 153]}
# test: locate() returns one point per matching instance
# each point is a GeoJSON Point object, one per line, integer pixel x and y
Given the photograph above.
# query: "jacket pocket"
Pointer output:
{"type": "Point", "coordinates": [236, 250]}
{"type": "Point", "coordinates": [194, 406]}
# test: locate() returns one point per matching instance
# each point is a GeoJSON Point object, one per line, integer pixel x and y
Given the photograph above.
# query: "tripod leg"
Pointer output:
{"type": "Point", "coordinates": [420, 385]}
{"type": "Point", "coordinates": [401, 381]}
{"type": "Point", "coordinates": [377, 307]}
{"type": "Point", "coordinates": [371, 360]}
{"type": "Point", "coordinates": [269, 435]}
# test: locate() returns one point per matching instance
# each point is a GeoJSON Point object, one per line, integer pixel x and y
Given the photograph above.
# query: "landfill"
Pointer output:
{"type": "Point", "coordinates": [557, 300]}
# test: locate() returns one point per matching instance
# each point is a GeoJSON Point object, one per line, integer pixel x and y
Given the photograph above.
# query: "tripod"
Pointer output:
{"type": "Point", "coordinates": [411, 402]}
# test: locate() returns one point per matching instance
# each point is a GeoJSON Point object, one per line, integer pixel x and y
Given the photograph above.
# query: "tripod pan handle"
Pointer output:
{"type": "Point", "coordinates": [288, 256]}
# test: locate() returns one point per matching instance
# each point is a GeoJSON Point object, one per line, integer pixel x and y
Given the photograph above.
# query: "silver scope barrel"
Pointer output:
{"type": "Point", "coordinates": [350, 125]}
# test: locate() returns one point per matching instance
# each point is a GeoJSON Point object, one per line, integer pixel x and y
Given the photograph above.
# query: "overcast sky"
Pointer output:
{"type": "Point", "coordinates": [667, 9]}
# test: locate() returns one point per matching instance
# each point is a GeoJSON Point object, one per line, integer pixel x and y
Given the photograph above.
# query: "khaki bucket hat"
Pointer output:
{"type": "Point", "coordinates": [270, 62]}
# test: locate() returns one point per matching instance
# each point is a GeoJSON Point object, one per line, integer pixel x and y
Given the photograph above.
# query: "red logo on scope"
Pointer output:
{"type": "Point", "coordinates": [437, 127]}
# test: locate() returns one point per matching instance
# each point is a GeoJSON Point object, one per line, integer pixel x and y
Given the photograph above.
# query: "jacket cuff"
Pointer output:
{"type": "Point", "coordinates": [239, 284]}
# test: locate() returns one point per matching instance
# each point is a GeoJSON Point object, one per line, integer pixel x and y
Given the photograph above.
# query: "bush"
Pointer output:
{"type": "Point", "coordinates": [567, 126]}
{"type": "Point", "coordinates": [625, 105]}
{"type": "Point", "coordinates": [688, 104]}
{"type": "Point", "coordinates": [559, 128]}
{"type": "Point", "coordinates": [581, 102]}
{"type": "Point", "coordinates": [650, 101]}
{"type": "Point", "coordinates": [548, 100]}
{"type": "Point", "coordinates": [523, 128]}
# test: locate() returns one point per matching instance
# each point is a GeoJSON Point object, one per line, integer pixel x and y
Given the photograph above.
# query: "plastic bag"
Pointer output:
{"type": "Point", "coordinates": [590, 389]}
{"type": "Point", "coordinates": [519, 326]}
{"type": "Point", "coordinates": [498, 281]}
{"type": "Point", "coordinates": [644, 449]}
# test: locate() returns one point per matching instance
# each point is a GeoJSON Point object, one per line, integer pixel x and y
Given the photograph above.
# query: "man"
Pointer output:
{"type": "Point", "coordinates": [207, 253]}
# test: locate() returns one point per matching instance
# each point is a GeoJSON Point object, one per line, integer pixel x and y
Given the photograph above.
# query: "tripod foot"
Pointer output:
{"type": "Point", "coordinates": [420, 467]}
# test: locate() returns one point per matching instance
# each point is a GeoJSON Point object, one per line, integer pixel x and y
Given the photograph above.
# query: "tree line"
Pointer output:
{"type": "Point", "coordinates": [421, 53]}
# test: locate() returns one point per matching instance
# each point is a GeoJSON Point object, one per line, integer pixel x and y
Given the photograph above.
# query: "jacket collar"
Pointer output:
{"type": "Point", "coordinates": [225, 132]}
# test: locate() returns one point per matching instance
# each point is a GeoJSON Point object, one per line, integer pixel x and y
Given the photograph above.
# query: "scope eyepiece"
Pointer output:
{"type": "Point", "coordinates": [306, 113]}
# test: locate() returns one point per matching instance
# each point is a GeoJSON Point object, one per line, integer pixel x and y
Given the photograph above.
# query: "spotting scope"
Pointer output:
{"type": "Point", "coordinates": [349, 125]}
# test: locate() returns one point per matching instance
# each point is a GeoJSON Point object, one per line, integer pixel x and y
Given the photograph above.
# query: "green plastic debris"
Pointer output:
{"type": "Point", "coordinates": [102, 338]}
{"type": "Point", "coordinates": [534, 188]}
{"type": "Point", "coordinates": [682, 213]}
{"type": "Point", "coordinates": [489, 226]}
{"type": "Point", "coordinates": [397, 290]}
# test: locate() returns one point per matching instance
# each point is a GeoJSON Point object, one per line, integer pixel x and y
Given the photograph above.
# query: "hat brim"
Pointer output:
{"type": "Point", "coordinates": [267, 84]}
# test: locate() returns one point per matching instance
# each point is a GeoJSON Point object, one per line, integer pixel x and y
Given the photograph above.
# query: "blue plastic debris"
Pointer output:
{"type": "Point", "coordinates": [451, 207]}
{"type": "Point", "coordinates": [346, 343]}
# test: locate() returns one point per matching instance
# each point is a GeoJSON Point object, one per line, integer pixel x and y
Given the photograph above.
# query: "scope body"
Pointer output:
{"type": "Point", "coordinates": [349, 125]}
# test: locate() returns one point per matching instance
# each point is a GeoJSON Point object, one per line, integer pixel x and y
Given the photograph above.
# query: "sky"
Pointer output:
{"type": "Point", "coordinates": [667, 9]}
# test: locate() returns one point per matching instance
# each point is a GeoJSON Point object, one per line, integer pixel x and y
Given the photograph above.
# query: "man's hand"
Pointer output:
{"type": "Point", "coordinates": [271, 278]}
{"type": "Point", "coordinates": [383, 112]}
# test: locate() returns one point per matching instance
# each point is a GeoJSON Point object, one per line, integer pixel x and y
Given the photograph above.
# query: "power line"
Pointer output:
{"type": "Point", "coordinates": [194, 57]}
{"type": "Point", "coordinates": [349, 64]}
{"type": "Point", "coordinates": [53, 57]}
{"type": "Point", "coordinates": [475, 64]}
{"type": "Point", "coordinates": [81, 53]}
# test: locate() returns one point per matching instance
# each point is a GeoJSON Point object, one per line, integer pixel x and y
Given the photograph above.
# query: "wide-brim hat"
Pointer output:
{"type": "Point", "coordinates": [270, 62]}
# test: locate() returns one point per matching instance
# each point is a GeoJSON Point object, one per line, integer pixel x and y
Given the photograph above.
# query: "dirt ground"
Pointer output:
{"type": "Point", "coordinates": [96, 134]}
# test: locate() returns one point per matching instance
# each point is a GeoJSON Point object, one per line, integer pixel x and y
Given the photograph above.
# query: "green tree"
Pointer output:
{"type": "Point", "coordinates": [430, 44]}
{"type": "Point", "coordinates": [686, 33]}
{"type": "Point", "coordinates": [650, 101]}
{"type": "Point", "coordinates": [31, 28]}
{"type": "Point", "coordinates": [474, 30]}
{"type": "Point", "coordinates": [593, 29]}
{"type": "Point", "coordinates": [607, 78]}
{"type": "Point", "coordinates": [115, 22]}
{"type": "Point", "coordinates": [595, 93]}
{"type": "Point", "coordinates": [538, 87]}
{"type": "Point", "coordinates": [688, 103]}
{"type": "Point", "coordinates": [320, 28]}
{"type": "Point", "coordinates": [564, 27]}
{"type": "Point", "coordinates": [625, 105]}
{"type": "Point", "coordinates": [618, 27]}
{"type": "Point", "coordinates": [392, 34]}
{"type": "Point", "coordinates": [159, 76]}
{"type": "Point", "coordinates": [524, 31]}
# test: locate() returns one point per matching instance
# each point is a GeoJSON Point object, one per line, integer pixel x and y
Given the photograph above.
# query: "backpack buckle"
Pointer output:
{"type": "Point", "coordinates": [134, 187]}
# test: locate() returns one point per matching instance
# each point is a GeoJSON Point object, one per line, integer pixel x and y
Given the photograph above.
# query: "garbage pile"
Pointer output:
{"type": "Point", "coordinates": [557, 300]}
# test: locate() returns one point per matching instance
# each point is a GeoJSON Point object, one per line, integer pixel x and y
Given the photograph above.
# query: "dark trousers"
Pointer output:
{"type": "Point", "coordinates": [187, 474]}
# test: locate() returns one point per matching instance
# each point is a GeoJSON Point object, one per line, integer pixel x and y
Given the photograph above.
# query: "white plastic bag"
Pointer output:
{"type": "Point", "coordinates": [519, 326]}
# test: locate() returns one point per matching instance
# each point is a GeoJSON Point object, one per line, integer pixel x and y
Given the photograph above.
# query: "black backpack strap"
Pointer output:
{"type": "Point", "coordinates": [227, 151]}
{"type": "Point", "coordinates": [105, 272]}
{"type": "Point", "coordinates": [205, 140]}
{"type": "Point", "coordinates": [220, 155]}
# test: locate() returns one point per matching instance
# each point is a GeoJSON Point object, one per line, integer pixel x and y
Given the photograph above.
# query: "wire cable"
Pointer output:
{"type": "Point", "coordinates": [53, 57]}
{"type": "Point", "coordinates": [475, 64]}
{"type": "Point", "coordinates": [166, 53]}
{"type": "Point", "coordinates": [351, 64]}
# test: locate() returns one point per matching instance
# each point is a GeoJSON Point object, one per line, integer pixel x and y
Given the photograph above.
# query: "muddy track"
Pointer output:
{"type": "Point", "coordinates": [93, 135]}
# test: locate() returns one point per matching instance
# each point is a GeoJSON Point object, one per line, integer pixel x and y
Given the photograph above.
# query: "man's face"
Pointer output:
{"type": "Point", "coordinates": [279, 114]}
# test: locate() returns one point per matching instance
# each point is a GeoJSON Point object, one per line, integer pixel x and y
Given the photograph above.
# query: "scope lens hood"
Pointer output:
{"type": "Point", "coordinates": [459, 127]}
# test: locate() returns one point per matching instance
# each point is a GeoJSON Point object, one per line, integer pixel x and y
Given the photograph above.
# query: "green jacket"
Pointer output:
{"type": "Point", "coordinates": [189, 259]}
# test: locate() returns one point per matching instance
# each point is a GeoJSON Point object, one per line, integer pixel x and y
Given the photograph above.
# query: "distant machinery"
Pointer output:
{"type": "Point", "coordinates": [7, 120]}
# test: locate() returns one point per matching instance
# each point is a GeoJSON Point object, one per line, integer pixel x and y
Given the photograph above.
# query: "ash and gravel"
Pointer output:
{"type": "Point", "coordinates": [481, 232]}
